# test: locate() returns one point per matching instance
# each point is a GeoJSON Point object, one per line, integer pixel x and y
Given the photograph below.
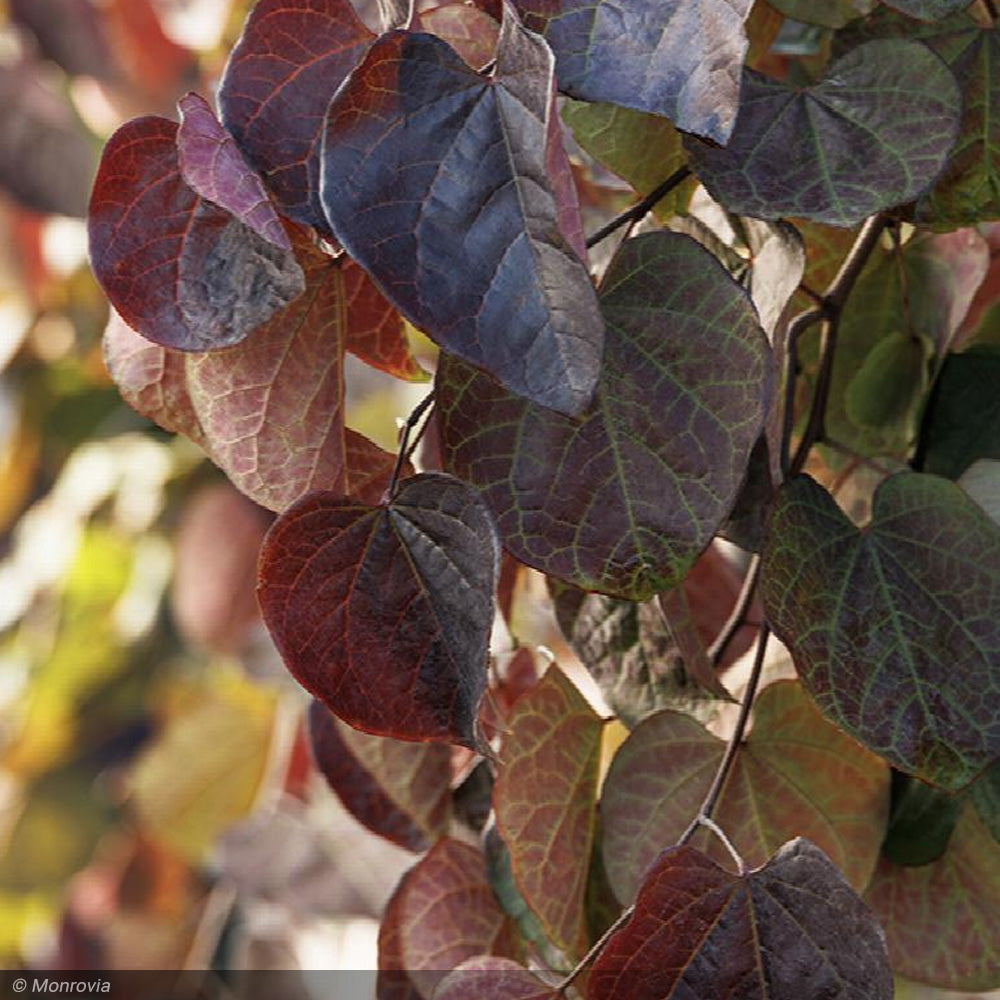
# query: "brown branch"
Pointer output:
{"type": "Point", "coordinates": [639, 209]}
{"type": "Point", "coordinates": [737, 617]}
{"type": "Point", "coordinates": [404, 442]}
{"type": "Point", "coordinates": [595, 950]}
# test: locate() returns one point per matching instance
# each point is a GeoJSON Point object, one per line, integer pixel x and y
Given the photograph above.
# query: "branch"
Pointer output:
{"type": "Point", "coordinates": [595, 950]}
{"type": "Point", "coordinates": [638, 210]}
{"type": "Point", "coordinates": [737, 617]}
{"type": "Point", "coordinates": [404, 443]}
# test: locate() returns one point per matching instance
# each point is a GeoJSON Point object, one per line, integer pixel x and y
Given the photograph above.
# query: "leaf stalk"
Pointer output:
{"type": "Point", "coordinates": [640, 208]}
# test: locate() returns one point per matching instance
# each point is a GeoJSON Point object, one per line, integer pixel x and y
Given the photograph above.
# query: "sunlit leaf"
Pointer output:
{"type": "Point", "coordinates": [401, 791]}
{"type": "Point", "coordinates": [485, 978]}
{"type": "Point", "coordinates": [471, 32]}
{"type": "Point", "coordinates": [808, 152]}
{"type": "Point", "coordinates": [545, 802]}
{"type": "Point", "coordinates": [668, 57]}
{"type": "Point", "coordinates": [624, 500]}
{"type": "Point", "coordinates": [474, 257]}
{"type": "Point", "coordinates": [895, 629]}
{"type": "Point", "coordinates": [796, 774]}
{"type": "Point", "coordinates": [383, 613]}
{"type": "Point", "coordinates": [790, 929]}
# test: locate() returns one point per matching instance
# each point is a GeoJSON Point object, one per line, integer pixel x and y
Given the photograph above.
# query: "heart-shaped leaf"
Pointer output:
{"type": "Point", "coordinates": [213, 167]}
{"type": "Point", "coordinates": [384, 613]}
{"type": "Point", "coordinates": [289, 61]}
{"type": "Point", "coordinates": [790, 929]}
{"type": "Point", "coordinates": [942, 920]}
{"type": "Point", "coordinates": [435, 179]}
{"type": "Point", "coordinates": [545, 797]}
{"type": "Point", "coordinates": [678, 58]}
{"type": "Point", "coordinates": [401, 791]}
{"type": "Point", "coordinates": [809, 152]}
{"type": "Point", "coordinates": [624, 500]}
{"type": "Point", "coordinates": [895, 629]}
{"type": "Point", "coordinates": [485, 978]}
{"type": "Point", "coordinates": [796, 773]}
{"type": "Point", "coordinates": [179, 270]}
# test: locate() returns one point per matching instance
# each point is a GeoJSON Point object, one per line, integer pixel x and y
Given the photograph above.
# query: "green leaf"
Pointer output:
{"type": "Point", "coordinates": [986, 796]}
{"type": "Point", "coordinates": [828, 13]}
{"type": "Point", "coordinates": [890, 383]}
{"type": "Point", "coordinates": [810, 152]}
{"type": "Point", "coordinates": [921, 822]}
{"type": "Point", "coordinates": [624, 499]}
{"type": "Point", "coordinates": [928, 10]}
{"type": "Point", "coordinates": [894, 629]}
{"type": "Point", "coordinates": [942, 920]}
{"type": "Point", "coordinates": [796, 773]}
{"type": "Point", "coordinates": [545, 802]}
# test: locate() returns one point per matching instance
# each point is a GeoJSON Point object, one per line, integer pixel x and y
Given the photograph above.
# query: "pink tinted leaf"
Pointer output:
{"type": "Point", "coordinates": [487, 978]}
{"type": "Point", "coordinates": [384, 613]}
{"type": "Point", "coordinates": [214, 168]}
{"type": "Point", "coordinates": [471, 32]}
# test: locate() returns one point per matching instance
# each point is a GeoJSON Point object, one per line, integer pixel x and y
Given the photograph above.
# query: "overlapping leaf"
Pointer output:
{"type": "Point", "coordinates": [942, 920]}
{"type": "Point", "coordinates": [796, 774]}
{"type": "Point", "coordinates": [810, 152]}
{"type": "Point", "coordinates": [624, 500]}
{"type": "Point", "coordinates": [470, 31]}
{"type": "Point", "coordinates": [927, 10]}
{"type": "Point", "coordinates": [454, 213]}
{"type": "Point", "coordinates": [545, 798]}
{"type": "Point", "coordinates": [921, 821]}
{"type": "Point", "coordinates": [792, 928]}
{"type": "Point", "coordinates": [488, 978]}
{"type": "Point", "coordinates": [180, 271]}
{"type": "Point", "coordinates": [383, 613]}
{"type": "Point", "coordinates": [399, 790]}
{"type": "Point", "coordinates": [986, 796]}
{"type": "Point", "coordinates": [895, 629]}
{"type": "Point", "coordinates": [289, 61]}
{"type": "Point", "coordinates": [442, 913]}
{"type": "Point", "coordinates": [669, 57]}
{"type": "Point", "coordinates": [833, 14]}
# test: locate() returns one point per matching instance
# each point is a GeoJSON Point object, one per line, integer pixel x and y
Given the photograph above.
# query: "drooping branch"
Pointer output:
{"type": "Point", "coordinates": [640, 208]}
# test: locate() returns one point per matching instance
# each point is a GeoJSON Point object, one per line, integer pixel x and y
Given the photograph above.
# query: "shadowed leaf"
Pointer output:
{"type": "Point", "coordinates": [454, 214]}
{"type": "Point", "coordinates": [829, 13]}
{"type": "Point", "coordinates": [928, 10]}
{"type": "Point", "coordinates": [401, 791]}
{"type": "Point", "coordinates": [796, 774]}
{"type": "Point", "coordinates": [545, 798]}
{"type": "Point", "coordinates": [289, 61]}
{"type": "Point", "coordinates": [384, 613]}
{"type": "Point", "coordinates": [180, 271]}
{"type": "Point", "coordinates": [790, 929]}
{"type": "Point", "coordinates": [213, 167]}
{"type": "Point", "coordinates": [442, 913]}
{"type": "Point", "coordinates": [986, 795]}
{"type": "Point", "coordinates": [942, 920]}
{"type": "Point", "coordinates": [669, 57]}
{"type": "Point", "coordinates": [809, 152]}
{"type": "Point", "coordinates": [895, 629]}
{"type": "Point", "coordinates": [624, 500]}
{"type": "Point", "coordinates": [70, 33]}
{"type": "Point", "coordinates": [921, 821]}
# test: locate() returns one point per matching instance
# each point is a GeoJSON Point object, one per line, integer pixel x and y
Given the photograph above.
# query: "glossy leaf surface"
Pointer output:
{"type": "Point", "coordinates": [624, 500]}
{"type": "Point", "coordinates": [809, 152]}
{"type": "Point", "coordinates": [455, 216]}
{"type": "Point", "coordinates": [796, 774]}
{"type": "Point", "coordinates": [790, 929]}
{"type": "Point", "coordinates": [180, 271]}
{"type": "Point", "coordinates": [895, 629]}
{"type": "Point", "coordinates": [289, 61]}
{"type": "Point", "coordinates": [669, 57]}
{"type": "Point", "coordinates": [545, 798]}
{"type": "Point", "coordinates": [401, 791]}
{"type": "Point", "coordinates": [384, 613]}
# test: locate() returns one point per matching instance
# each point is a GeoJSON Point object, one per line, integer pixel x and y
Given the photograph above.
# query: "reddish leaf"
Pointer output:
{"type": "Point", "coordinates": [384, 613]}
{"type": "Point", "coordinates": [368, 468]}
{"type": "Point", "coordinates": [471, 32]}
{"type": "Point", "coordinates": [401, 791]}
{"type": "Point", "coordinates": [486, 978]}
{"type": "Point", "coordinates": [151, 379]}
{"type": "Point", "coordinates": [155, 63]}
{"type": "Point", "coordinates": [684, 632]}
{"type": "Point", "coordinates": [180, 271]}
{"type": "Point", "coordinates": [214, 168]}
{"type": "Point", "coordinates": [560, 174]}
{"type": "Point", "coordinates": [454, 215]}
{"type": "Point", "coordinates": [942, 920]}
{"type": "Point", "coordinates": [788, 930]}
{"type": "Point", "coordinates": [291, 58]}
{"type": "Point", "coordinates": [545, 803]}
{"type": "Point", "coordinates": [442, 912]}
{"type": "Point", "coordinates": [796, 774]}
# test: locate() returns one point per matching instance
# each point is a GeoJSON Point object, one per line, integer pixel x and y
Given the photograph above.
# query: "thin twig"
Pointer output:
{"type": "Point", "coordinates": [623, 919]}
{"type": "Point", "coordinates": [732, 747]}
{"type": "Point", "coordinates": [737, 617]}
{"type": "Point", "coordinates": [710, 824]}
{"type": "Point", "coordinates": [404, 442]}
{"type": "Point", "coordinates": [639, 209]}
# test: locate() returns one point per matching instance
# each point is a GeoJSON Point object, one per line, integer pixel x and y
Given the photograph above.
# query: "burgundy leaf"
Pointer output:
{"type": "Point", "coordinates": [214, 168]}
{"type": "Point", "coordinates": [471, 32]}
{"type": "Point", "coordinates": [291, 58]}
{"type": "Point", "coordinates": [435, 179]}
{"type": "Point", "coordinates": [368, 467]}
{"type": "Point", "coordinates": [401, 791]}
{"type": "Point", "coordinates": [180, 271]}
{"type": "Point", "coordinates": [384, 613]}
{"type": "Point", "coordinates": [788, 930]}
